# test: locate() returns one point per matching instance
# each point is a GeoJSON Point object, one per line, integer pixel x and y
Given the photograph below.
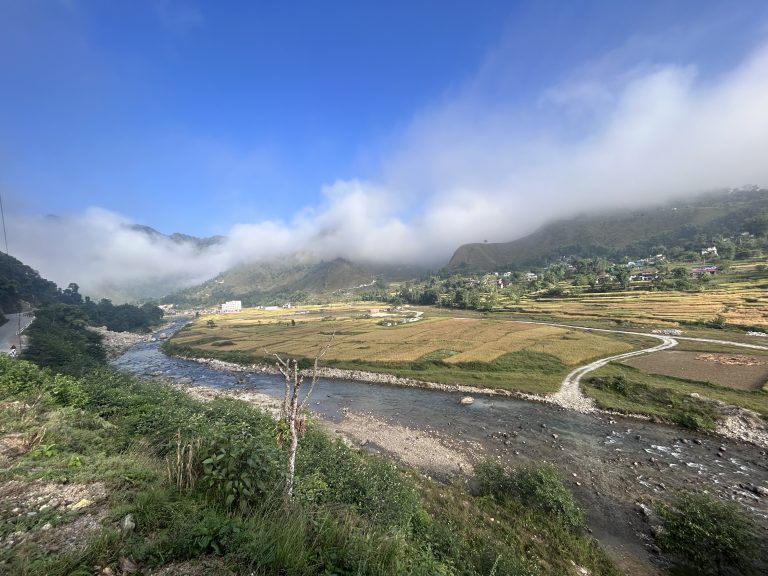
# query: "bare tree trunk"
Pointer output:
{"type": "Point", "coordinates": [292, 409]}
{"type": "Point", "coordinates": [292, 447]}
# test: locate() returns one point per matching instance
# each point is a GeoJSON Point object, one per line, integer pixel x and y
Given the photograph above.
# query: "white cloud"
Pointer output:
{"type": "Point", "coordinates": [470, 170]}
{"type": "Point", "coordinates": [100, 252]}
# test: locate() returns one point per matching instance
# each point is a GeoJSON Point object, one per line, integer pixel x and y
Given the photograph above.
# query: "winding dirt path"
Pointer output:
{"type": "Point", "coordinates": [570, 395]}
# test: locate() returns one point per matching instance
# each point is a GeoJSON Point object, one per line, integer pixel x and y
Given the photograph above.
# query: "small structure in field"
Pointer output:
{"type": "Point", "coordinates": [231, 306]}
{"type": "Point", "coordinates": [699, 270]}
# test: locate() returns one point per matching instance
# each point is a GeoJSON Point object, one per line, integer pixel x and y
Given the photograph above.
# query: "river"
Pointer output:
{"type": "Point", "coordinates": [612, 464]}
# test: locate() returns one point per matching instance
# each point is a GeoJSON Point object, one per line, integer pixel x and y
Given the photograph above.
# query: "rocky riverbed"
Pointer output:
{"type": "Point", "coordinates": [735, 422]}
{"type": "Point", "coordinates": [115, 343]}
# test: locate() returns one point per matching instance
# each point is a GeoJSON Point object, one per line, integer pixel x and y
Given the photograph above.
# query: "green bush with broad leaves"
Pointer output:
{"type": "Point", "coordinates": [238, 470]}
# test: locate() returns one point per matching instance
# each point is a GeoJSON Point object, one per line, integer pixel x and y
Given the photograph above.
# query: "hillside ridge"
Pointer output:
{"type": "Point", "coordinates": [615, 234]}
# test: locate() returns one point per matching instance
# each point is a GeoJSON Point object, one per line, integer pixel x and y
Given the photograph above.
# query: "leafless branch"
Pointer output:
{"type": "Point", "coordinates": [323, 351]}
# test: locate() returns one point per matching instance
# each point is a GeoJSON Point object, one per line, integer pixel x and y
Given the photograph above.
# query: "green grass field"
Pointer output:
{"type": "Point", "coordinates": [662, 396]}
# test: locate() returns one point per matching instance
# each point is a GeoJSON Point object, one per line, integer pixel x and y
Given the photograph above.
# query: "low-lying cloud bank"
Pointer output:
{"type": "Point", "coordinates": [466, 171]}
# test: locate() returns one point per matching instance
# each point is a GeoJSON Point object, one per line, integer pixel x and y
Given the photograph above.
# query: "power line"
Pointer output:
{"type": "Point", "coordinates": [2, 213]}
{"type": "Point", "coordinates": [5, 237]}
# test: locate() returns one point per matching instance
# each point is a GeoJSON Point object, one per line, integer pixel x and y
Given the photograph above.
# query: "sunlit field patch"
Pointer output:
{"type": "Point", "coordinates": [743, 303]}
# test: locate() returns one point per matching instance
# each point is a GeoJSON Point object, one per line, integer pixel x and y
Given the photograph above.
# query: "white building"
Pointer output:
{"type": "Point", "coordinates": [231, 306]}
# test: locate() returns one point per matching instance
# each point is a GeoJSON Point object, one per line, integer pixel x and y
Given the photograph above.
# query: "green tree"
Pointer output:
{"type": "Point", "coordinates": [71, 295]}
{"type": "Point", "coordinates": [622, 276]}
{"type": "Point", "coordinates": [60, 340]}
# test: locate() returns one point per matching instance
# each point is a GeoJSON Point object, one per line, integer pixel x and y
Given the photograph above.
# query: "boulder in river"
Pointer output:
{"type": "Point", "coordinates": [466, 400]}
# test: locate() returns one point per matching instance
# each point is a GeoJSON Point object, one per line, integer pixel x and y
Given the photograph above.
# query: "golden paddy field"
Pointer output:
{"type": "Point", "coordinates": [742, 304]}
{"type": "Point", "coordinates": [453, 340]}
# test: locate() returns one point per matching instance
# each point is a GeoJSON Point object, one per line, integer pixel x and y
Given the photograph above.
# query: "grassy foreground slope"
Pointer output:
{"type": "Point", "coordinates": [102, 470]}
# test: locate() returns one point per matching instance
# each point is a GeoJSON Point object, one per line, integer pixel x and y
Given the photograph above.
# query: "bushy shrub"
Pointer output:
{"type": "Point", "coordinates": [18, 377]}
{"type": "Point", "coordinates": [541, 487]}
{"type": "Point", "coordinates": [371, 484]}
{"type": "Point", "coordinates": [238, 470]}
{"type": "Point", "coordinates": [493, 480]}
{"type": "Point", "coordinates": [712, 535]}
{"type": "Point", "coordinates": [538, 486]}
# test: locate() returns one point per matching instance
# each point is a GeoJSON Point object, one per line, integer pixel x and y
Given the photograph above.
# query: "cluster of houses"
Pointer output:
{"type": "Point", "coordinates": [650, 261]}
{"type": "Point", "coordinates": [644, 276]}
{"type": "Point", "coordinates": [237, 306]}
{"type": "Point", "coordinates": [646, 273]}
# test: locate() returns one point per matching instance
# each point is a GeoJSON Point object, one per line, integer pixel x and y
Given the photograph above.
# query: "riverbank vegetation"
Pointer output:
{"type": "Point", "coordinates": [685, 402]}
{"type": "Point", "coordinates": [102, 471]}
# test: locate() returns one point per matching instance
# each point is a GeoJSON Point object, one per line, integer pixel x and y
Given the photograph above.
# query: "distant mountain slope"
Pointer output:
{"type": "Point", "coordinates": [199, 243]}
{"type": "Point", "coordinates": [289, 280]}
{"type": "Point", "coordinates": [619, 233]}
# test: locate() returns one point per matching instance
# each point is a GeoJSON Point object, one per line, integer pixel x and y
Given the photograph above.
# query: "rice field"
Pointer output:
{"type": "Point", "coordinates": [454, 340]}
{"type": "Point", "coordinates": [740, 303]}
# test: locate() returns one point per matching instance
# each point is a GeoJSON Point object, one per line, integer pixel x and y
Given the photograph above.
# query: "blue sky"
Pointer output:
{"type": "Point", "coordinates": [286, 124]}
{"type": "Point", "coordinates": [156, 107]}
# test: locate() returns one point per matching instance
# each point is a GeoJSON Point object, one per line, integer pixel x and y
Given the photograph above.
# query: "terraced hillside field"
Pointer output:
{"type": "Point", "coordinates": [742, 304]}
{"type": "Point", "coordinates": [456, 350]}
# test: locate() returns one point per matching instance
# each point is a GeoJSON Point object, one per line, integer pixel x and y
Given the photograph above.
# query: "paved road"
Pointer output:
{"type": "Point", "coordinates": [8, 336]}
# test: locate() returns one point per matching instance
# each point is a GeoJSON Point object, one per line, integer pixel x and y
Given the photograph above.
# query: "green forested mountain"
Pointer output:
{"type": "Point", "coordinates": [684, 225]}
{"type": "Point", "coordinates": [290, 280]}
{"type": "Point", "coordinates": [20, 283]}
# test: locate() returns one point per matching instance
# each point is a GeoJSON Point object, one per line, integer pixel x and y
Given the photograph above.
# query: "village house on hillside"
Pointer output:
{"type": "Point", "coordinates": [709, 252]}
{"type": "Point", "coordinates": [644, 276]}
{"type": "Point", "coordinates": [650, 261]}
{"type": "Point", "coordinates": [699, 270]}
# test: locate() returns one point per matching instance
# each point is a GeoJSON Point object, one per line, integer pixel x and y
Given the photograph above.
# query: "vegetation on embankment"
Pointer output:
{"type": "Point", "coordinates": [625, 389]}
{"type": "Point", "coordinates": [705, 535]}
{"type": "Point", "coordinates": [203, 482]}
{"type": "Point", "coordinates": [523, 371]}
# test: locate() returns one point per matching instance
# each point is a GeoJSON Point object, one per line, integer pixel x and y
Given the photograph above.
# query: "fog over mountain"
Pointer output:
{"type": "Point", "coordinates": [467, 169]}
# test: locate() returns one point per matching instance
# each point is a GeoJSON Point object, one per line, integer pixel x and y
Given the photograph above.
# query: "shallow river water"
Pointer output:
{"type": "Point", "coordinates": [612, 464]}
